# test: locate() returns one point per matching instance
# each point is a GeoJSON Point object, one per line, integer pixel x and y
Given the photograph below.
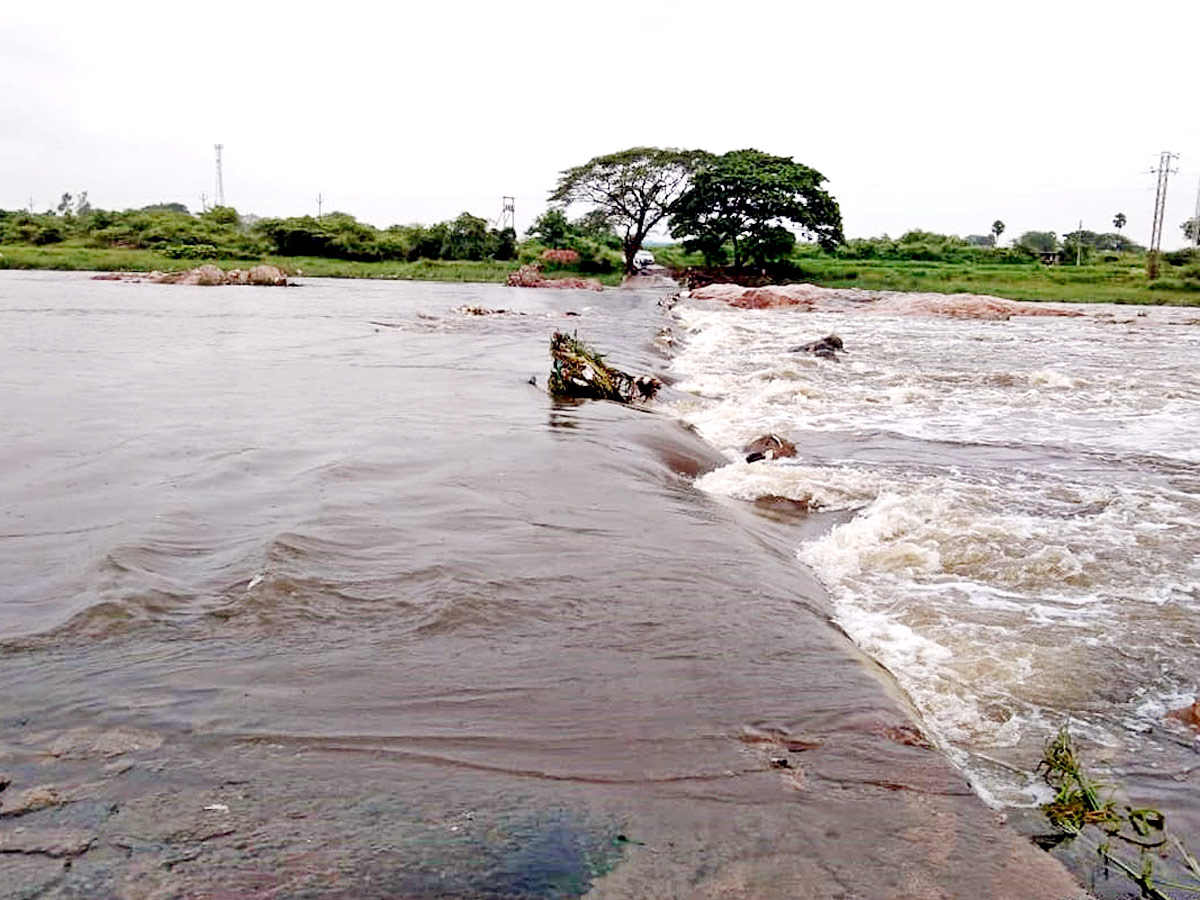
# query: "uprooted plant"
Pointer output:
{"type": "Point", "coordinates": [1081, 802]}
{"type": "Point", "coordinates": [578, 371]}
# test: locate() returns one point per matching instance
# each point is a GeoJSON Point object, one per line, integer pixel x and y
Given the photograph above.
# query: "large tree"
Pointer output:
{"type": "Point", "coordinates": [750, 202]}
{"type": "Point", "coordinates": [997, 230]}
{"type": "Point", "coordinates": [635, 189]}
{"type": "Point", "coordinates": [1043, 241]}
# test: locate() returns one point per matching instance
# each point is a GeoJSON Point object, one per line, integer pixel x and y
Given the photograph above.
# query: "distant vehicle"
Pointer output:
{"type": "Point", "coordinates": [643, 259]}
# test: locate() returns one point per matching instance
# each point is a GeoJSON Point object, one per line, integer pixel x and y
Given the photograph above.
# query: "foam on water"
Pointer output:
{"type": "Point", "coordinates": [1006, 595]}
{"type": "Point", "coordinates": [1078, 382]}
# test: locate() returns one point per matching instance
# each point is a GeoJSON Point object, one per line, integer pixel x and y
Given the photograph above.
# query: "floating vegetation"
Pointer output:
{"type": "Point", "coordinates": [1076, 800]}
{"type": "Point", "coordinates": [1080, 802]}
{"type": "Point", "coordinates": [580, 372]}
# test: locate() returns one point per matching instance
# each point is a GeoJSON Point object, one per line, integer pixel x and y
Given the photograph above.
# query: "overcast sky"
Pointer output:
{"type": "Point", "coordinates": [942, 116]}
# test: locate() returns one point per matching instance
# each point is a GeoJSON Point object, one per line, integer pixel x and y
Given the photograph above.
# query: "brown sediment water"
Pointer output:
{"type": "Point", "coordinates": [1019, 514]}
{"type": "Point", "coordinates": [310, 593]}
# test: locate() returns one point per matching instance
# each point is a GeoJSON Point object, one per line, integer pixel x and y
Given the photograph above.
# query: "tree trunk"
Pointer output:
{"type": "Point", "coordinates": [630, 250]}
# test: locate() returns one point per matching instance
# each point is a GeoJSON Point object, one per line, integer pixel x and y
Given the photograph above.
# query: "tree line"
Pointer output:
{"type": "Point", "coordinates": [741, 208]}
{"type": "Point", "coordinates": [221, 232]}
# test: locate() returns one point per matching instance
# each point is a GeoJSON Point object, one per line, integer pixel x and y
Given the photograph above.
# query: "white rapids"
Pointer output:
{"type": "Point", "coordinates": [1024, 497]}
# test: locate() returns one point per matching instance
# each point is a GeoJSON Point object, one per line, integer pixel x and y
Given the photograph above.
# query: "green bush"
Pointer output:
{"type": "Point", "coordinates": [29, 228]}
{"type": "Point", "coordinates": [190, 251]}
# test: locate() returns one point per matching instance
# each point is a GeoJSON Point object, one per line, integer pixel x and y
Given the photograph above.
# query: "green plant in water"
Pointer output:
{"type": "Point", "coordinates": [1076, 797]}
{"type": "Point", "coordinates": [1080, 801]}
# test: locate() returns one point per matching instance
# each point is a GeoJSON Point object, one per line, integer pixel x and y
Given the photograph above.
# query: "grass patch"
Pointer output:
{"type": "Point", "coordinates": [1034, 281]}
{"type": "Point", "coordinates": [1104, 282]}
{"type": "Point", "coordinates": [90, 259]}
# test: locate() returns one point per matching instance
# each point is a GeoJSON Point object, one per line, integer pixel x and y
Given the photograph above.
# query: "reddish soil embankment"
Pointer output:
{"type": "Point", "coordinates": [810, 296]}
{"type": "Point", "coordinates": [531, 277]}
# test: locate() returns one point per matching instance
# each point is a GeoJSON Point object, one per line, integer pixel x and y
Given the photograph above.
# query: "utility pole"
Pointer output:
{"type": "Point", "coordinates": [220, 181]}
{"type": "Point", "coordinates": [320, 201]}
{"type": "Point", "coordinates": [508, 214]}
{"type": "Point", "coordinates": [1160, 208]}
{"type": "Point", "coordinates": [1079, 243]}
{"type": "Point", "coordinates": [1196, 222]}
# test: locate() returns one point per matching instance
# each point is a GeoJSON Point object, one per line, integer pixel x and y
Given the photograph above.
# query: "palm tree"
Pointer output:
{"type": "Point", "coordinates": [1119, 221]}
{"type": "Point", "coordinates": [997, 230]}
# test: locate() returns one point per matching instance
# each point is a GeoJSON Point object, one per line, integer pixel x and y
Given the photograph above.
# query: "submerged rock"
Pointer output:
{"type": "Point", "coordinates": [769, 446]}
{"type": "Point", "coordinates": [827, 347]}
{"type": "Point", "coordinates": [1188, 715]}
{"type": "Point", "coordinates": [485, 311]}
{"type": "Point", "coordinates": [805, 295]}
{"type": "Point", "coordinates": [87, 742]}
{"type": "Point", "coordinates": [31, 800]}
{"type": "Point", "coordinates": [207, 275]}
{"type": "Point", "coordinates": [53, 842]}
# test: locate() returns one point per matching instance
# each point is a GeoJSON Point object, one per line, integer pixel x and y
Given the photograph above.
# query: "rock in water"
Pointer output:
{"type": "Point", "coordinates": [769, 446]}
{"type": "Point", "coordinates": [31, 800]}
{"type": "Point", "coordinates": [531, 276]}
{"type": "Point", "coordinates": [267, 275]}
{"type": "Point", "coordinates": [578, 371]}
{"type": "Point", "coordinates": [207, 275]}
{"type": "Point", "coordinates": [827, 347]}
{"type": "Point", "coordinates": [1188, 715]}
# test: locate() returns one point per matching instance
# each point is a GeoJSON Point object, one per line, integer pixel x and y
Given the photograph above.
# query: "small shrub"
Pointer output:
{"type": "Point", "coordinates": [190, 251]}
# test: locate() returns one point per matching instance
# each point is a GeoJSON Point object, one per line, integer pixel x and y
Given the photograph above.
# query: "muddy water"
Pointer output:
{"type": "Point", "coordinates": [310, 593]}
{"type": "Point", "coordinates": [1020, 544]}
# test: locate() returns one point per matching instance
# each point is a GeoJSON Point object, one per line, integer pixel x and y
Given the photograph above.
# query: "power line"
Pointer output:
{"type": "Point", "coordinates": [1160, 207]}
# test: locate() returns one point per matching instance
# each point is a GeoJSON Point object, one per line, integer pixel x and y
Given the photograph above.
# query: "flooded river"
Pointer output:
{"type": "Point", "coordinates": [1021, 542]}
{"type": "Point", "coordinates": [312, 593]}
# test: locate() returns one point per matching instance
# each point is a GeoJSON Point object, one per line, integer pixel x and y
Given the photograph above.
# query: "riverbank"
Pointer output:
{"type": "Point", "coordinates": [1121, 282]}
{"type": "Point", "coordinates": [1106, 283]}
{"type": "Point", "coordinates": [89, 259]}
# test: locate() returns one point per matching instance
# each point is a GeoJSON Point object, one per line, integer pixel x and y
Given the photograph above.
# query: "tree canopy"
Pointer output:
{"type": "Point", "coordinates": [1044, 241]}
{"type": "Point", "coordinates": [168, 228]}
{"type": "Point", "coordinates": [590, 236]}
{"type": "Point", "coordinates": [634, 189]}
{"type": "Point", "coordinates": [746, 200]}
